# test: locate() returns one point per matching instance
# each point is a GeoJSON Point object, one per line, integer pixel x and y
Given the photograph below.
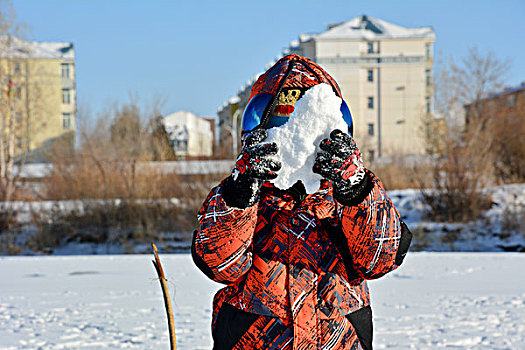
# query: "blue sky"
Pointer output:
{"type": "Point", "coordinates": [196, 54]}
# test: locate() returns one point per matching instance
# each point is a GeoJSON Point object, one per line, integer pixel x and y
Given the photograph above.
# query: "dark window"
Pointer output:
{"type": "Point", "coordinates": [511, 100]}
{"type": "Point", "coordinates": [370, 47]}
{"type": "Point", "coordinates": [18, 93]}
{"type": "Point", "coordinates": [428, 104]}
{"type": "Point", "coordinates": [66, 120]}
{"type": "Point", "coordinates": [65, 70]}
{"type": "Point", "coordinates": [427, 77]}
{"type": "Point", "coordinates": [17, 67]}
{"type": "Point", "coordinates": [181, 145]}
{"type": "Point", "coordinates": [371, 129]}
{"type": "Point", "coordinates": [370, 103]}
{"type": "Point", "coordinates": [371, 155]}
{"type": "Point", "coordinates": [66, 96]}
{"type": "Point", "coordinates": [370, 75]}
{"type": "Point", "coordinates": [428, 50]}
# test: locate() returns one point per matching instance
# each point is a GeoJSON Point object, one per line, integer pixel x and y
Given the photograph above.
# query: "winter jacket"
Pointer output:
{"type": "Point", "coordinates": [295, 266]}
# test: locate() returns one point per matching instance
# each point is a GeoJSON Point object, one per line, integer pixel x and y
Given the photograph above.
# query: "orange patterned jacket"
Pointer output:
{"type": "Point", "coordinates": [301, 261]}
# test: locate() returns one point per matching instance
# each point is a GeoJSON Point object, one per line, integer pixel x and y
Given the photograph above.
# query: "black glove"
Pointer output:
{"type": "Point", "coordinates": [254, 166]}
{"type": "Point", "coordinates": [341, 163]}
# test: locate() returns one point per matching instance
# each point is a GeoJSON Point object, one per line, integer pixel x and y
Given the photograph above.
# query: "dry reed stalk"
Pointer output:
{"type": "Point", "coordinates": [166, 294]}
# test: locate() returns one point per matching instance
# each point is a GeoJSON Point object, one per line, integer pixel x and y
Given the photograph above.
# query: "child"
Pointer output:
{"type": "Point", "coordinates": [295, 264]}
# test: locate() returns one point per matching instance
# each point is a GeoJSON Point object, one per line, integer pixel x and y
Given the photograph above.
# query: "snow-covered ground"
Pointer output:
{"type": "Point", "coordinates": [435, 300]}
{"type": "Point", "coordinates": [500, 228]}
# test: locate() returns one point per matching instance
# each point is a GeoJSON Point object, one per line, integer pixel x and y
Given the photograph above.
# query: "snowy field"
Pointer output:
{"type": "Point", "coordinates": [434, 301]}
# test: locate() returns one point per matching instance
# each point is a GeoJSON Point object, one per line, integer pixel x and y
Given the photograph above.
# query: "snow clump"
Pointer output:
{"type": "Point", "coordinates": [316, 114]}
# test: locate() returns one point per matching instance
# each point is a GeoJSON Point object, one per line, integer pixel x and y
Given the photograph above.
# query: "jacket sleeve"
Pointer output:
{"type": "Point", "coordinates": [221, 247]}
{"type": "Point", "coordinates": [377, 239]}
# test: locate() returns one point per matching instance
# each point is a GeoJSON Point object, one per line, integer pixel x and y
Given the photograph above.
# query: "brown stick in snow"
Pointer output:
{"type": "Point", "coordinates": [166, 294]}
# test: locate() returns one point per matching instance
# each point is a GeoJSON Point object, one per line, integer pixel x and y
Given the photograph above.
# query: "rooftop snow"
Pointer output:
{"type": "Point", "coordinates": [31, 49]}
{"type": "Point", "coordinates": [508, 91]}
{"type": "Point", "coordinates": [234, 100]}
{"type": "Point", "coordinates": [305, 37]}
{"type": "Point", "coordinates": [294, 43]}
{"type": "Point", "coordinates": [366, 27]}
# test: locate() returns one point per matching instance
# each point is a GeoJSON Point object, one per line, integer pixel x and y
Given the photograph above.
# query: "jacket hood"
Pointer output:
{"type": "Point", "coordinates": [274, 94]}
{"type": "Point", "coordinates": [292, 71]}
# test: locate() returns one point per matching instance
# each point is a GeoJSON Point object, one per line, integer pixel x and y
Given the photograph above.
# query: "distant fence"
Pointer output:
{"type": "Point", "coordinates": [38, 171]}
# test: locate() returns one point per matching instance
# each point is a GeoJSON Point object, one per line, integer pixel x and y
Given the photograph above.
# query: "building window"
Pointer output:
{"type": "Point", "coordinates": [182, 145]}
{"type": "Point", "coordinates": [427, 77]}
{"type": "Point", "coordinates": [371, 156]}
{"type": "Point", "coordinates": [66, 96]}
{"type": "Point", "coordinates": [17, 68]}
{"type": "Point", "coordinates": [428, 50]}
{"type": "Point", "coordinates": [179, 145]}
{"type": "Point", "coordinates": [370, 103]}
{"type": "Point", "coordinates": [511, 100]}
{"type": "Point", "coordinates": [18, 93]}
{"type": "Point", "coordinates": [66, 120]}
{"type": "Point", "coordinates": [370, 47]}
{"type": "Point", "coordinates": [370, 75]}
{"type": "Point", "coordinates": [428, 104]}
{"type": "Point", "coordinates": [18, 142]}
{"type": "Point", "coordinates": [371, 129]}
{"type": "Point", "coordinates": [65, 70]}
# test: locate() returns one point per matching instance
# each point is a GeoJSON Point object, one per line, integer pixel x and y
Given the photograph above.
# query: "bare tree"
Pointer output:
{"type": "Point", "coordinates": [466, 163]}
{"type": "Point", "coordinates": [468, 81]}
{"type": "Point", "coordinates": [110, 154]}
{"type": "Point", "coordinates": [14, 98]}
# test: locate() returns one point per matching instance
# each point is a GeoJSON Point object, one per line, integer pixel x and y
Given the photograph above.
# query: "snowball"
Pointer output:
{"type": "Point", "coordinates": [316, 114]}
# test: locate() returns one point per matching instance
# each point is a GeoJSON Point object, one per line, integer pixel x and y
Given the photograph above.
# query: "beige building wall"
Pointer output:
{"type": "Point", "coordinates": [52, 113]}
{"type": "Point", "coordinates": [42, 101]}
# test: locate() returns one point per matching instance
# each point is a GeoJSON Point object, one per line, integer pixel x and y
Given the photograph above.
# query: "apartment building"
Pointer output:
{"type": "Point", "coordinates": [40, 104]}
{"type": "Point", "coordinates": [506, 104]}
{"type": "Point", "coordinates": [190, 136]}
{"type": "Point", "coordinates": [385, 74]}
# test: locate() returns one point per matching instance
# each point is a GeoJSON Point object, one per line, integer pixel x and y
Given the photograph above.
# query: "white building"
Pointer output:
{"type": "Point", "coordinates": [191, 136]}
{"type": "Point", "coordinates": [385, 75]}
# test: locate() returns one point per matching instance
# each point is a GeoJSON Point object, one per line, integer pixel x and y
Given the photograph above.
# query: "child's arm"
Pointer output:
{"type": "Point", "coordinates": [221, 248]}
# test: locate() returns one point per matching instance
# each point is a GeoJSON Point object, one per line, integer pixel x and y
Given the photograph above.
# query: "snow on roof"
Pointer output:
{"type": "Point", "coordinates": [181, 119]}
{"type": "Point", "coordinates": [306, 37]}
{"type": "Point", "coordinates": [508, 91]}
{"type": "Point", "coordinates": [366, 27]}
{"type": "Point", "coordinates": [234, 100]}
{"type": "Point", "coordinates": [180, 115]}
{"type": "Point", "coordinates": [248, 84]}
{"type": "Point", "coordinates": [18, 48]}
{"type": "Point", "coordinates": [294, 43]}
{"type": "Point", "coordinates": [222, 107]}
